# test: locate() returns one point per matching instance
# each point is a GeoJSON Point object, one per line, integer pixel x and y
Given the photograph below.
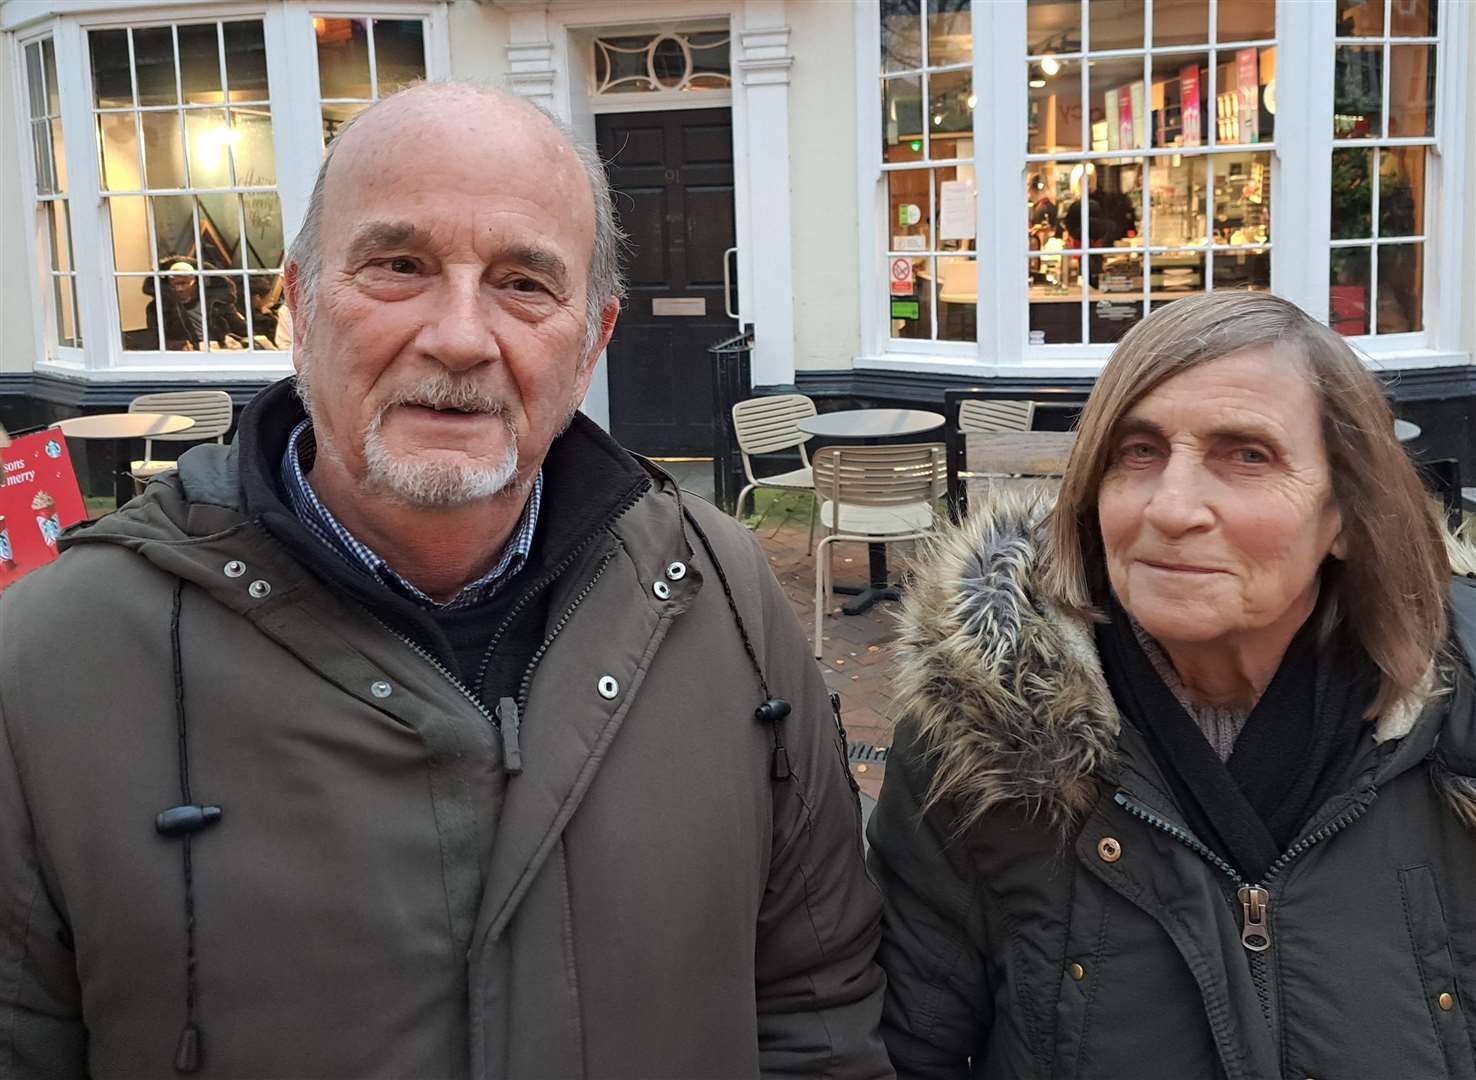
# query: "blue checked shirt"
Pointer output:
{"type": "Point", "coordinates": [316, 518]}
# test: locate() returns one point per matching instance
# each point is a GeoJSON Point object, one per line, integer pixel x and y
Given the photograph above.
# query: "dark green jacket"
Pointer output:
{"type": "Point", "coordinates": [1051, 918]}
{"type": "Point", "coordinates": [378, 898]}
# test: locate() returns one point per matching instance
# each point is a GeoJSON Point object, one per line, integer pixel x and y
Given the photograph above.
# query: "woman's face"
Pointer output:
{"type": "Point", "coordinates": [1216, 508]}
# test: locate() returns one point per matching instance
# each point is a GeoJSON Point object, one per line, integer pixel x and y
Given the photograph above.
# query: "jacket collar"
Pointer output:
{"type": "Point", "coordinates": [1007, 692]}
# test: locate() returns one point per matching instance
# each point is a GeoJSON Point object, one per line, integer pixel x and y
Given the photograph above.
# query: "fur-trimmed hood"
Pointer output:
{"type": "Point", "coordinates": [1006, 688]}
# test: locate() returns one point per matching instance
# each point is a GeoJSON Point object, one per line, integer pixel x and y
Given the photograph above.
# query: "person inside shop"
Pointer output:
{"type": "Point", "coordinates": [224, 324]}
{"type": "Point", "coordinates": [425, 731]}
{"type": "Point", "coordinates": [1185, 780]}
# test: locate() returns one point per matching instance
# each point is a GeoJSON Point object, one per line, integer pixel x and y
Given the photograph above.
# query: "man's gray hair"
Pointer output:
{"type": "Point", "coordinates": [605, 278]}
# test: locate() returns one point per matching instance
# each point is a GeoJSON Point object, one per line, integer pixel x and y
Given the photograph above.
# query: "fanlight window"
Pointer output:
{"type": "Point", "coordinates": [664, 61]}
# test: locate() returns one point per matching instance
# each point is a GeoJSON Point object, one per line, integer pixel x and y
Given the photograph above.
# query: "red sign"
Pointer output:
{"type": "Point", "coordinates": [1247, 77]}
{"type": "Point", "coordinates": [38, 499]}
{"type": "Point", "coordinates": [902, 284]}
{"type": "Point", "coordinates": [1189, 104]}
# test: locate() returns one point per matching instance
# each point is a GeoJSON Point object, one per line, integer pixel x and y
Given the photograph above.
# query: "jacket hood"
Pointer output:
{"type": "Point", "coordinates": [1006, 688]}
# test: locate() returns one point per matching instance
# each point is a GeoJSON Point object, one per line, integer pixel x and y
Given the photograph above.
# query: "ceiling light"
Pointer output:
{"type": "Point", "coordinates": [937, 119]}
{"type": "Point", "coordinates": [1036, 84]}
{"type": "Point", "coordinates": [1050, 65]}
{"type": "Point", "coordinates": [973, 100]}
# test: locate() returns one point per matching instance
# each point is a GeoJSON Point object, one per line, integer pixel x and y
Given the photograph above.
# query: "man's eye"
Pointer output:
{"type": "Point", "coordinates": [400, 265]}
{"type": "Point", "coordinates": [526, 285]}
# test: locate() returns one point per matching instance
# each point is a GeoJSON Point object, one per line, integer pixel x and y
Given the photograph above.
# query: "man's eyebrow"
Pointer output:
{"type": "Point", "coordinates": [374, 237]}
{"type": "Point", "coordinates": [540, 260]}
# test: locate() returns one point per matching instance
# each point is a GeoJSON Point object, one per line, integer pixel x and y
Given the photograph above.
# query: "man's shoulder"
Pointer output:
{"type": "Point", "coordinates": [733, 542]}
{"type": "Point", "coordinates": [87, 584]}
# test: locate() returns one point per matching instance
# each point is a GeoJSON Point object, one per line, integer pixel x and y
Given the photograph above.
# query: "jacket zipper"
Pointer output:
{"type": "Point", "coordinates": [433, 662]}
{"type": "Point", "coordinates": [527, 681]}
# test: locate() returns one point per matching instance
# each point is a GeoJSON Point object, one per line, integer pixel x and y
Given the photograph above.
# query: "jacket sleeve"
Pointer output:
{"type": "Point", "coordinates": [41, 1032]}
{"type": "Point", "coordinates": [819, 990]}
{"type": "Point", "coordinates": [938, 1007]}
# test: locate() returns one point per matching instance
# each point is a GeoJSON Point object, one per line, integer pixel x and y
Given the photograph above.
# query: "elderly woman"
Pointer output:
{"type": "Point", "coordinates": [1186, 782]}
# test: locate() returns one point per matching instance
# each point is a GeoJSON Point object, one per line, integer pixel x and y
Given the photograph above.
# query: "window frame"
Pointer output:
{"type": "Point", "coordinates": [1300, 235]}
{"type": "Point", "coordinates": [292, 70]}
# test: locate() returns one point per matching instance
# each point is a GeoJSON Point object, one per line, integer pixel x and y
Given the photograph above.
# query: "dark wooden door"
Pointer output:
{"type": "Point", "coordinates": [672, 173]}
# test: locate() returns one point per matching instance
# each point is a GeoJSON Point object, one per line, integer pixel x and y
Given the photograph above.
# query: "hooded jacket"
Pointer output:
{"type": "Point", "coordinates": [1047, 913]}
{"type": "Point", "coordinates": [382, 893]}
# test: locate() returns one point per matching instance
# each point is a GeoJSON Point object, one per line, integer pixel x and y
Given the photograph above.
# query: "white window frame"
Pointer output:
{"type": "Point", "coordinates": [292, 72]}
{"type": "Point", "coordinates": [1301, 198]}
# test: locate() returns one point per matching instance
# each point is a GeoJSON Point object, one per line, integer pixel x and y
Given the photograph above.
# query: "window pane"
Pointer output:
{"type": "Point", "coordinates": [58, 156]}
{"type": "Point", "coordinates": [207, 137]}
{"type": "Point", "coordinates": [174, 228]}
{"type": "Point", "coordinates": [343, 58]}
{"type": "Point", "coordinates": [112, 86]}
{"type": "Point", "coordinates": [220, 230]}
{"type": "Point", "coordinates": [1242, 198]}
{"type": "Point", "coordinates": [246, 67]}
{"type": "Point", "coordinates": [251, 146]}
{"type": "Point", "coordinates": [199, 64]}
{"type": "Point", "coordinates": [59, 235]}
{"type": "Point", "coordinates": [1180, 99]}
{"type": "Point", "coordinates": [1119, 121]}
{"type": "Point", "coordinates": [1360, 18]}
{"type": "Point", "coordinates": [1115, 24]}
{"type": "Point", "coordinates": [164, 161]}
{"type": "Point", "coordinates": [908, 210]}
{"type": "Point", "coordinates": [1401, 288]}
{"type": "Point", "coordinates": [1414, 18]}
{"type": "Point", "coordinates": [136, 314]}
{"type": "Point", "coordinates": [1243, 270]}
{"type": "Point", "coordinates": [958, 289]}
{"type": "Point", "coordinates": [1350, 273]}
{"type": "Point", "coordinates": [1358, 109]}
{"type": "Point", "coordinates": [1173, 274]}
{"type": "Point", "coordinates": [950, 33]}
{"type": "Point", "coordinates": [1246, 77]}
{"type": "Point", "coordinates": [1177, 198]}
{"type": "Point", "coordinates": [949, 110]}
{"type": "Point", "coordinates": [153, 59]}
{"type": "Point", "coordinates": [1055, 300]}
{"type": "Point", "coordinates": [35, 80]}
{"type": "Point", "coordinates": [66, 312]}
{"type": "Point", "coordinates": [53, 93]}
{"type": "Point", "coordinates": [1117, 299]}
{"type": "Point", "coordinates": [1247, 20]}
{"type": "Point", "coordinates": [1352, 194]}
{"type": "Point", "coordinates": [118, 142]}
{"type": "Point", "coordinates": [1112, 202]}
{"type": "Point", "coordinates": [956, 206]}
{"type": "Point", "coordinates": [1055, 106]}
{"type": "Point", "coordinates": [41, 144]}
{"type": "Point", "coordinates": [902, 114]}
{"type": "Point", "coordinates": [901, 30]}
{"type": "Point", "coordinates": [911, 305]}
{"type": "Point", "coordinates": [1045, 190]}
{"type": "Point", "coordinates": [1402, 191]}
{"type": "Point", "coordinates": [129, 218]}
{"type": "Point", "coordinates": [1411, 90]}
{"type": "Point", "coordinates": [1180, 22]}
{"type": "Point", "coordinates": [225, 306]}
{"type": "Point", "coordinates": [1052, 26]}
{"type": "Point", "coordinates": [271, 326]}
{"type": "Point", "coordinates": [399, 53]}
{"type": "Point", "coordinates": [335, 116]}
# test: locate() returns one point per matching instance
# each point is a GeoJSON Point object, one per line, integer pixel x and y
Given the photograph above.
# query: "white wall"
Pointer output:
{"type": "Point", "coordinates": [822, 129]}
{"type": "Point", "coordinates": [479, 38]}
{"type": "Point", "coordinates": [18, 299]}
{"type": "Point", "coordinates": [1468, 182]}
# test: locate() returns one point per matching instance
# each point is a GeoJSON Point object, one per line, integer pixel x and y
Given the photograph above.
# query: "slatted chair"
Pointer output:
{"type": "Point", "coordinates": [209, 409]}
{"type": "Point", "coordinates": [873, 495]}
{"type": "Point", "coordinates": [767, 425]}
{"type": "Point", "coordinates": [982, 416]}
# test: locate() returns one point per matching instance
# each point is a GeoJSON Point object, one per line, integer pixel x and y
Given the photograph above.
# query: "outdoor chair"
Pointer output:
{"type": "Point", "coordinates": [981, 416]}
{"type": "Point", "coordinates": [767, 425]}
{"type": "Point", "coordinates": [209, 409]}
{"type": "Point", "coordinates": [873, 495]}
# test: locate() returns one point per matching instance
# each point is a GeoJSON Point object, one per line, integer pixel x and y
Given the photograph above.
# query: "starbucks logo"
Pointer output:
{"type": "Point", "coordinates": [53, 449]}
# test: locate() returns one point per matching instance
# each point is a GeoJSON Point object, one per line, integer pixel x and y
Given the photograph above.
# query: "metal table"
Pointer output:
{"type": "Point", "coordinates": [117, 427]}
{"type": "Point", "coordinates": [1404, 431]}
{"type": "Point", "coordinates": [870, 427]}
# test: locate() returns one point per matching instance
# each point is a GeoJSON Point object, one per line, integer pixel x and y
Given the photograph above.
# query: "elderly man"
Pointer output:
{"type": "Point", "coordinates": [424, 731]}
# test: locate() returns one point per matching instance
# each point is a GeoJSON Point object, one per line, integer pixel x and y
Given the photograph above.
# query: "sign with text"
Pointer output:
{"type": "Point", "coordinates": [1189, 104]}
{"type": "Point", "coordinates": [902, 282]}
{"type": "Point", "coordinates": [38, 499]}
{"type": "Point", "coordinates": [1247, 81]}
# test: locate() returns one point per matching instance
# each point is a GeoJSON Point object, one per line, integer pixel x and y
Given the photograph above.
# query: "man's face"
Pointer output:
{"type": "Point", "coordinates": [183, 288]}
{"type": "Point", "coordinates": [446, 346]}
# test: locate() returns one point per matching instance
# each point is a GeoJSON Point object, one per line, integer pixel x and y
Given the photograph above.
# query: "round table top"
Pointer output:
{"type": "Point", "coordinates": [1404, 431]}
{"type": "Point", "coordinates": [133, 425]}
{"type": "Point", "coordinates": [871, 423]}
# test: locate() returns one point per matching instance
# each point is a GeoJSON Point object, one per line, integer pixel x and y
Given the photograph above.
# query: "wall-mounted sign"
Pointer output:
{"type": "Point", "coordinates": [901, 275]}
{"type": "Point", "coordinates": [904, 309]}
{"type": "Point", "coordinates": [956, 210]}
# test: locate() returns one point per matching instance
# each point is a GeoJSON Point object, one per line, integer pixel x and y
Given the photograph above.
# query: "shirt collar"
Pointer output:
{"type": "Point", "coordinates": [319, 520]}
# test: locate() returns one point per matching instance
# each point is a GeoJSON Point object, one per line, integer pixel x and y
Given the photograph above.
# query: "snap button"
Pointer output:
{"type": "Point", "coordinates": [259, 589]}
{"type": "Point", "coordinates": [235, 568]}
{"type": "Point", "coordinates": [1447, 1001]}
{"type": "Point", "coordinates": [381, 689]}
{"type": "Point", "coordinates": [1108, 849]}
{"type": "Point", "coordinates": [1078, 972]}
{"type": "Point", "coordinates": [676, 571]}
{"type": "Point", "coordinates": [608, 687]}
{"type": "Point", "coordinates": [662, 590]}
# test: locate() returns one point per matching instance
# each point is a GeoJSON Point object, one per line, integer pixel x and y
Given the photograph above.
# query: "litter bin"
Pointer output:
{"type": "Point", "coordinates": [732, 383]}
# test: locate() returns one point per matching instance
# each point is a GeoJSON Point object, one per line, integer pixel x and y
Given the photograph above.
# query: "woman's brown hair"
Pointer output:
{"type": "Point", "coordinates": [1388, 594]}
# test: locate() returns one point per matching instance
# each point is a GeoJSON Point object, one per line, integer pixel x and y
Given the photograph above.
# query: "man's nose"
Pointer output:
{"type": "Point", "coordinates": [459, 334]}
{"type": "Point", "coordinates": [1180, 500]}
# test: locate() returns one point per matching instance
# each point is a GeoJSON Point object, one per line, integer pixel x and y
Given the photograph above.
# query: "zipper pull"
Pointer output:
{"type": "Point", "coordinates": [1255, 905]}
{"type": "Point", "coordinates": [507, 722]}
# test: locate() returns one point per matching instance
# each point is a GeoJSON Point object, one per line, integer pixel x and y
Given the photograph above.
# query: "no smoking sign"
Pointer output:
{"type": "Point", "coordinates": [902, 283]}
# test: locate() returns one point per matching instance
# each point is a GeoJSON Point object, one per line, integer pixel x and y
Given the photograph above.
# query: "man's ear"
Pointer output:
{"type": "Point", "coordinates": [609, 315]}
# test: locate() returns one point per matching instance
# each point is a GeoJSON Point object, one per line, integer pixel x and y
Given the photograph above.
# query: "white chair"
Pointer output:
{"type": "Point", "coordinates": [767, 425]}
{"type": "Point", "coordinates": [873, 495]}
{"type": "Point", "coordinates": [209, 409]}
{"type": "Point", "coordinates": [981, 416]}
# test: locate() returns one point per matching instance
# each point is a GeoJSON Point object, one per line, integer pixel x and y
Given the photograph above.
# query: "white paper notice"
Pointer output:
{"type": "Point", "coordinates": [955, 210]}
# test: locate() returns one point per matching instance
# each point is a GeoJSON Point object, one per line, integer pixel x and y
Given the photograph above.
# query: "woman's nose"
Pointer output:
{"type": "Point", "coordinates": [1180, 499]}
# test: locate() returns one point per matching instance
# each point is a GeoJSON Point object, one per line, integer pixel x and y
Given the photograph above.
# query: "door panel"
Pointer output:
{"type": "Point", "coordinates": [672, 174]}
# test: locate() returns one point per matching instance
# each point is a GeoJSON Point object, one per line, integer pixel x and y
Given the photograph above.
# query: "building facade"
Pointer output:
{"type": "Point", "coordinates": [896, 196]}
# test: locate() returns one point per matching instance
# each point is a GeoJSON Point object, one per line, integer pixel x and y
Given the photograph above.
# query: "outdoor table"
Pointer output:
{"type": "Point", "coordinates": [117, 427]}
{"type": "Point", "coordinates": [870, 427]}
{"type": "Point", "coordinates": [1404, 431]}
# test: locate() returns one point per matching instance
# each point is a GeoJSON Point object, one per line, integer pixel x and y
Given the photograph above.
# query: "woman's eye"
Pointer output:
{"type": "Point", "coordinates": [1251, 456]}
{"type": "Point", "coordinates": [1137, 452]}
